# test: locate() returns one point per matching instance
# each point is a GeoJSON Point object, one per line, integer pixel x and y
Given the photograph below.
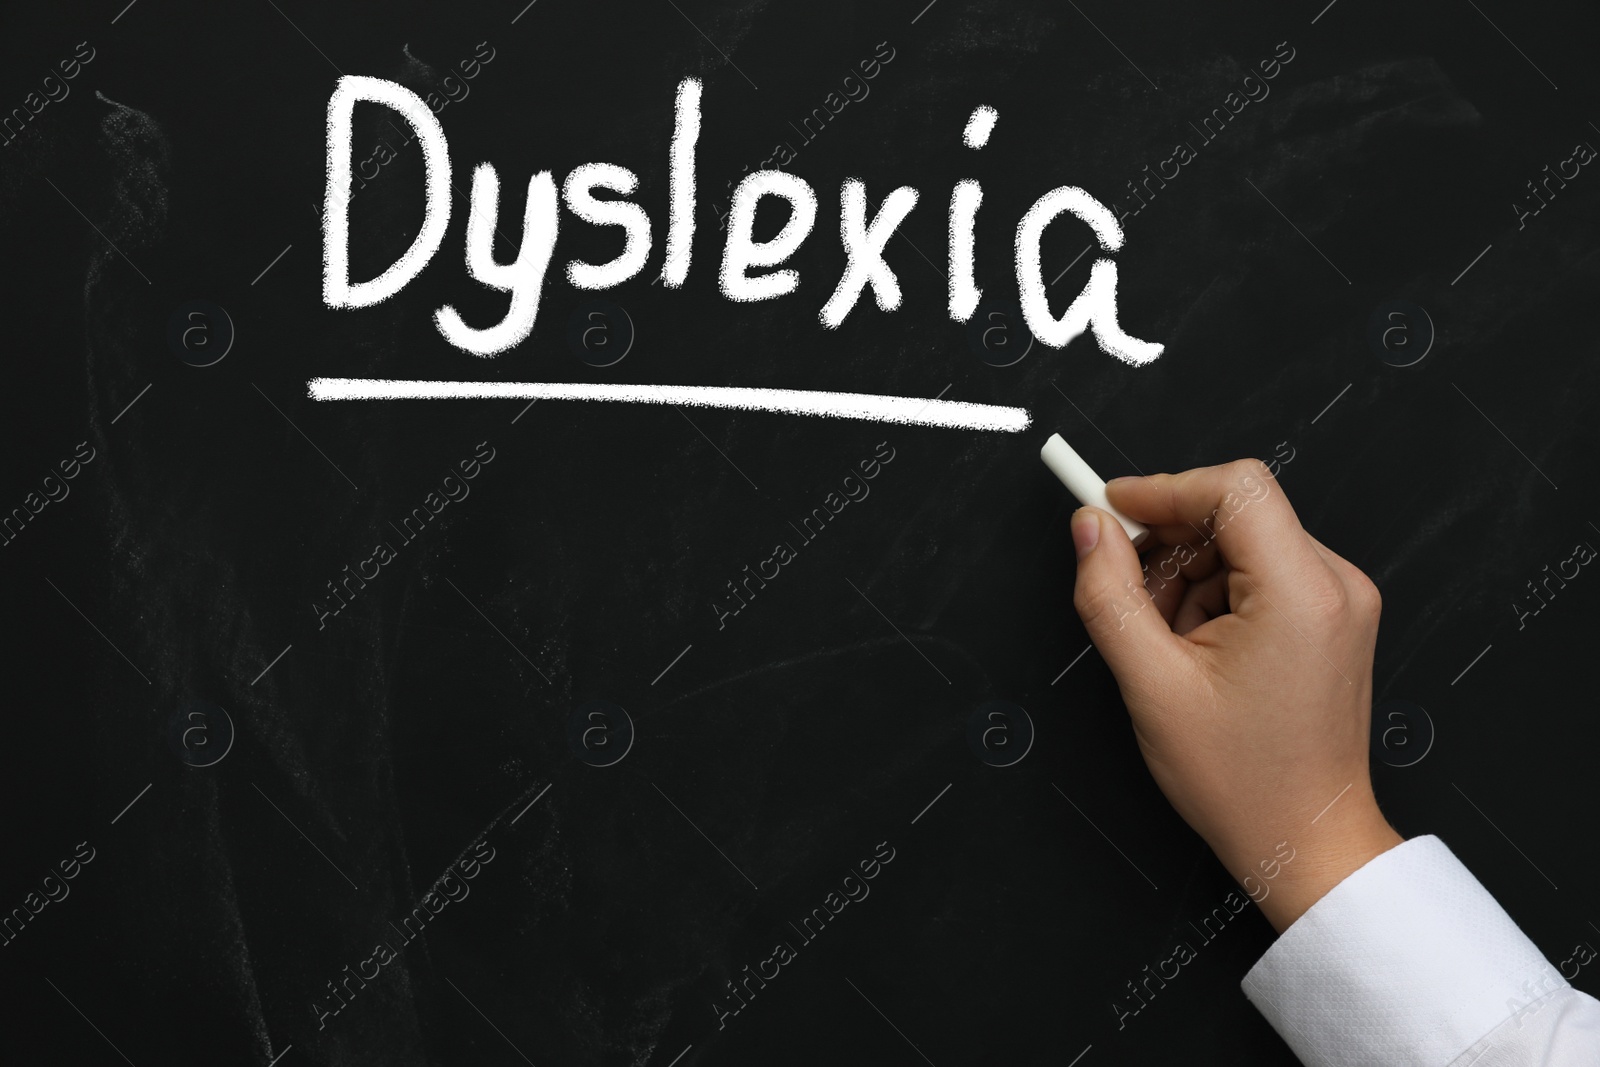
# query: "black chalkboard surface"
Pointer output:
{"type": "Point", "coordinates": [481, 731]}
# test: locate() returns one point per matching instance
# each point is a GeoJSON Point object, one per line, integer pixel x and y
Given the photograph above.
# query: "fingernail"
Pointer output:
{"type": "Point", "coordinates": [1085, 531]}
{"type": "Point", "coordinates": [1123, 480]}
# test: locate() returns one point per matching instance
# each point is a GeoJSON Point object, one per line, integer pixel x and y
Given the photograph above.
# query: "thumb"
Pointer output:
{"type": "Point", "coordinates": [1111, 599]}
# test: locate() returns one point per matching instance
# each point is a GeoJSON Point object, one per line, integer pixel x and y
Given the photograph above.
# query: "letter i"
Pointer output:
{"type": "Point", "coordinates": [965, 199]}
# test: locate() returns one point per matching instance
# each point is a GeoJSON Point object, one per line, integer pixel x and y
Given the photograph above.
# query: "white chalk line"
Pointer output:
{"type": "Point", "coordinates": [907, 410]}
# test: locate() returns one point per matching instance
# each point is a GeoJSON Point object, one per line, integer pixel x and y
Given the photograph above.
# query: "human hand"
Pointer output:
{"type": "Point", "coordinates": [1243, 649]}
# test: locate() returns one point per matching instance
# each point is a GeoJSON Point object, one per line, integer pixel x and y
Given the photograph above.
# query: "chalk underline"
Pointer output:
{"type": "Point", "coordinates": [906, 410]}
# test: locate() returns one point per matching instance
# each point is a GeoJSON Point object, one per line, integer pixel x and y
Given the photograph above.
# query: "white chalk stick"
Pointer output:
{"type": "Point", "coordinates": [1081, 480]}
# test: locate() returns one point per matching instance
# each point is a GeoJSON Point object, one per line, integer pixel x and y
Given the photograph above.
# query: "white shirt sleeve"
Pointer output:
{"type": "Point", "coordinates": [1409, 961]}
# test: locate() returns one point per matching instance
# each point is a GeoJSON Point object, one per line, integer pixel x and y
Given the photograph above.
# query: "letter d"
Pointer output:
{"type": "Point", "coordinates": [337, 289]}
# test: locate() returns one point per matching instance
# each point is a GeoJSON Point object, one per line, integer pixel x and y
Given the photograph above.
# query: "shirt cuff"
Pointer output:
{"type": "Point", "coordinates": [1408, 961]}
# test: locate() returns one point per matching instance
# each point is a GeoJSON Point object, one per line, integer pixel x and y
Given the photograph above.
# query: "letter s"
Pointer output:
{"type": "Point", "coordinates": [578, 193]}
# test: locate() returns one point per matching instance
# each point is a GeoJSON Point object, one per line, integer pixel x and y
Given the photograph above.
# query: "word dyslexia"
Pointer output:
{"type": "Point", "coordinates": [863, 238]}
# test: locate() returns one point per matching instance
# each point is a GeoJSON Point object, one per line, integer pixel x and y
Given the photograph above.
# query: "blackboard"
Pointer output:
{"type": "Point", "coordinates": [538, 756]}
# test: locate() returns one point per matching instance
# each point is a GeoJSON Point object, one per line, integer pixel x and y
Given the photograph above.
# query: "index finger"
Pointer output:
{"type": "Point", "coordinates": [1238, 504]}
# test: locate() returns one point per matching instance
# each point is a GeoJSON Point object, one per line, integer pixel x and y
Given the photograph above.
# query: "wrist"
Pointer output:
{"type": "Point", "coordinates": [1285, 877]}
